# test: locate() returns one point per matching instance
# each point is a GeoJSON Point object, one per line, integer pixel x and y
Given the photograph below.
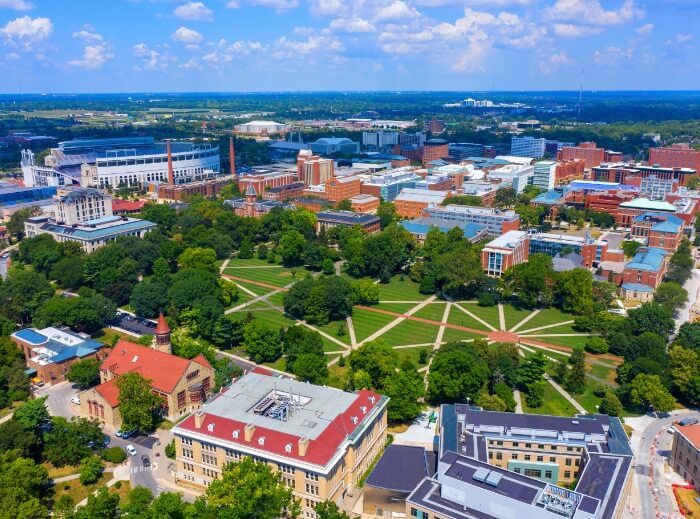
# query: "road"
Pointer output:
{"type": "Point", "coordinates": [652, 476]}
{"type": "Point", "coordinates": [692, 286]}
{"type": "Point", "coordinates": [58, 402]}
{"type": "Point", "coordinates": [3, 266]}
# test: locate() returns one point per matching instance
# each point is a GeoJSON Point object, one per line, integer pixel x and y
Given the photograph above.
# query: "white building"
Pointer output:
{"type": "Point", "coordinates": [115, 162]}
{"type": "Point", "coordinates": [81, 205]}
{"type": "Point", "coordinates": [261, 128]}
{"type": "Point", "coordinates": [528, 147]}
{"type": "Point", "coordinates": [380, 139]}
{"type": "Point", "coordinates": [544, 174]}
{"type": "Point", "coordinates": [517, 175]}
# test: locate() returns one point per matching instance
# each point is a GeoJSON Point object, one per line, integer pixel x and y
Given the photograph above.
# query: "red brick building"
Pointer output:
{"type": "Point", "coordinates": [648, 267]}
{"type": "Point", "coordinates": [589, 152]}
{"type": "Point", "coordinates": [342, 188]}
{"type": "Point", "coordinates": [365, 204]}
{"type": "Point", "coordinates": [411, 202]}
{"type": "Point", "coordinates": [312, 169]}
{"type": "Point", "coordinates": [205, 188]}
{"type": "Point", "coordinates": [286, 192]}
{"type": "Point", "coordinates": [660, 230]}
{"type": "Point", "coordinates": [264, 181]}
{"type": "Point", "coordinates": [675, 156]}
{"type": "Point", "coordinates": [569, 170]}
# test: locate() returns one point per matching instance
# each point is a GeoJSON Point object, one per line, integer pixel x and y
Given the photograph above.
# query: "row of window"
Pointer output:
{"type": "Point", "coordinates": [528, 457]}
{"type": "Point", "coordinates": [540, 446]}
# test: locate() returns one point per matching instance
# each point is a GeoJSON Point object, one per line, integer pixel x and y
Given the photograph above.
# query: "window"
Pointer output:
{"type": "Point", "coordinates": [208, 447]}
{"type": "Point", "coordinates": [552, 459]}
{"type": "Point", "coordinates": [186, 441]}
{"type": "Point", "coordinates": [540, 446]}
{"type": "Point", "coordinates": [209, 459]}
{"type": "Point", "coordinates": [540, 458]}
{"type": "Point", "coordinates": [568, 462]}
{"type": "Point", "coordinates": [499, 443]}
{"type": "Point", "coordinates": [311, 489]}
{"type": "Point", "coordinates": [527, 457]}
{"type": "Point", "coordinates": [514, 456]}
{"type": "Point", "coordinates": [499, 455]}
{"type": "Point", "coordinates": [231, 454]}
{"type": "Point", "coordinates": [311, 476]}
{"type": "Point", "coordinates": [516, 470]}
{"type": "Point", "coordinates": [528, 446]}
{"type": "Point", "coordinates": [181, 399]}
{"type": "Point", "coordinates": [192, 375]}
{"type": "Point", "coordinates": [567, 474]}
{"type": "Point", "coordinates": [548, 474]}
{"type": "Point", "coordinates": [187, 453]}
{"type": "Point", "coordinates": [533, 473]}
{"type": "Point", "coordinates": [286, 469]}
{"type": "Point", "coordinates": [516, 444]}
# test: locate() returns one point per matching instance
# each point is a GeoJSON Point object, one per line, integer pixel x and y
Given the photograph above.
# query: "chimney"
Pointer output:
{"type": "Point", "coordinates": [303, 445]}
{"type": "Point", "coordinates": [171, 177]}
{"type": "Point", "coordinates": [249, 431]}
{"type": "Point", "coordinates": [232, 156]}
{"type": "Point", "coordinates": [199, 419]}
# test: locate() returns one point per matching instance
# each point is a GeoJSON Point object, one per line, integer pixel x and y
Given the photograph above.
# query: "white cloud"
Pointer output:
{"type": "Point", "coordinates": [476, 3]}
{"type": "Point", "coordinates": [94, 57]}
{"type": "Point", "coordinates": [279, 5]}
{"type": "Point", "coordinates": [645, 30]}
{"type": "Point", "coordinates": [680, 38]}
{"type": "Point", "coordinates": [285, 48]}
{"type": "Point", "coordinates": [151, 59]}
{"type": "Point", "coordinates": [192, 64]}
{"type": "Point", "coordinates": [554, 62]}
{"type": "Point", "coordinates": [194, 11]}
{"type": "Point", "coordinates": [185, 35]}
{"type": "Point", "coordinates": [231, 4]}
{"type": "Point", "coordinates": [352, 25]}
{"type": "Point", "coordinates": [592, 13]}
{"type": "Point", "coordinates": [16, 5]}
{"type": "Point", "coordinates": [88, 35]}
{"type": "Point", "coordinates": [12, 56]}
{"type": "Point", "coordinates": [329, 7]}
{"type": "Point", "coordinates": [397, 10]}
{"type": "Point", "coordinates": [569, 30]}
{"type": "Point", "coordinates": [26, 32]}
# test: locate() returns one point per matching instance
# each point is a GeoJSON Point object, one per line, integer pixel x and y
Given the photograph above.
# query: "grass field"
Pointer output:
{"type": "Point", "coordinates": [413, 354]}
{"type": "Point", "coordinates": [331, 329]}
{"type": "Point", "coordinates": [487, 313]}
{"type": "Point", "coordinates": [460, 318]}
{"type": "Point", "coordinates": [451, 335]}
{"type": "Point", "coordinates": [514, 314]}
{"type": "Point", "coordinates": [367, 322]}
{"type": "Point", "coordinates": [553, 403]}
{"type": "Point", "coordinates": [255, 289]}
{"type": "Point", "coordinates": [410, 332]}
{"type": "Point", "coordinates": [432, 311]}
{"type": "Point", "coordinates": [399, 308]}
{"type": "Point", "coordinates": [564, 328]}
{"type": "Point", "coordinates": [276, 275]}
{"type": "Point", "coordinates": [571, 342]}
{"type": "Point", "coordinates": [397, 290]}
{"type": "Point", "coordinates": [546, 317]}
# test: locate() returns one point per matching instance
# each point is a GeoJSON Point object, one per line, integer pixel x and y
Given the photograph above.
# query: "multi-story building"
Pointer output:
{"type": "Point", "coordinates": [675, 156]}
{"type": "Point", "coordinates": [342, 188]}
{"type": "Point", "coordinates": [115, 162]}
{"type": "Point", "coordinates": [531, 147]}
{"type": "Point", "coordinates": [484, 190]}
{"type": "Point", "coordinates": [685, 453]}
{"type": "Point", "coordinates": [589, 152]}
{"type": "Point", "coordinates": [627, 211]}
{"type": "Point", "coordinates": [544, 175]}
{"type": "Point", "coordinates": [333, 145]}
{"type": "Point", "coordinates": [460, 151]}
{"type": "Point", "coordinates": [410, 203]}
{"type": "Point", "coordinates": [436, 126]}
{"type": "Point", "coordinates": [380, 139]}
{"type": "Point", "coordinates": [50, 352]}
{"type": "Point", "coordinates": [417, 138]}
{"type": "Point", "coordinates": [260, 128]}
{"type": "Point", "coordinates": [420, 227]}
{"type": "Point", "coordinates": [320, 440]}
{"type": "Point", "coordinates": [249, 206]}
{"type": "Point", "coordinates": [328, 219]}
{"type": "Point", "coordinates": [569, 170]}
{"type": "Point", "coordinates": [495, 465]}
{"type": "Point", "coordinates": [656, 188]}
{"type": "Point", "coordinates": [619, 171]}
{"type": "Point", "coordinates": [495, 221]}
{"type": "Point", "coordinates": [647, 267]}
{"type": "Point", "coordinates": [263, 181]}
{"type": "Point", "coordinates": [178, 192]}
{"type": "Point", "coordinates": [285, 192]}
{"type": "Point", "coordinates": [364, 203]}
{"type": "Point", "coordinates": [312, 169]}
{"type": "Point", "coordinates": [387, 186]}
{"type": "Point", "coordinates": [517, 175]}
{"type": "Point", "coordinates": [312, 203]}
{"type": "Point", "coordinates": [660, 230]}
{"type": "Point", "coordinates": [509, 249]}
{"type": "Point", "coordinates": [429, 151]}
{"type": "Point", "coordinates": [13, 194]}
{"type": "Point", "coordinates": [182, 384]}
{"type": "Point", "coordinates": [85, 216]}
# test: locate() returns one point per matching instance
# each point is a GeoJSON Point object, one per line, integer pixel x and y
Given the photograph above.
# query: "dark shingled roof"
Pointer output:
{"type": "Point", "coordinates": [401, 468]}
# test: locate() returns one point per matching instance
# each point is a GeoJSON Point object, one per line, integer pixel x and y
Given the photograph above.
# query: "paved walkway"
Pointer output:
{"type": "Point", "coordinates": [518, 402]}
{"type": "Point", "coordinates": [566, 395]}
{"type": "Point", "coordinates": [527, 318]}
{"type": "Point", "coordinates": [476, 317]}
{"type": "Point", "coordinates": [351, 332]}
{"type": "Point", "coordinates": [256, 283]}
{"type": "Point", "coordinates": [441, 330]}
{"type": "Point", "coordinates": [563, 323]}
{"type": "Point", "coordinates": [501, 317]}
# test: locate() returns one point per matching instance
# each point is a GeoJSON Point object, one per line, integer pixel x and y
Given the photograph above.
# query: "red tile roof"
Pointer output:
{"type": "Point", "coordinates": [127, 205]}
{"type": "Point", "coordinates": [691, 432]}
{"type": "Point", "coordinates": [162, 326]}
{"type": "Point", "coordinates": [319, 452]}
{"type": "Point", "coordinates": [109, 391]}
{"type": "Point", "coordinates": [162, 369]}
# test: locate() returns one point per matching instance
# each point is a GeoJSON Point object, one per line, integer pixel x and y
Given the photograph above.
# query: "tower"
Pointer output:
{"type": "Point", "coordinates": [163, 335]}
{"type": "Point", "coordinates": [232, 156]}
{"type": "Point", "coordinates": [251, 197]}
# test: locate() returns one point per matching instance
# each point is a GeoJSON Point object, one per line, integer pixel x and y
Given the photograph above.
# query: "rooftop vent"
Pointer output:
{"type": "Point", "coordinates": [363, 409]}
{"type": "Point", "coordinates": [372, 399]}
{"type": "Point", "coordinates": [494, 478]}
{"type": "Point", "coordinates": [234, 434]}
{"type": "Point", "coordinates": [288, 447]}
{"type": "Point", "coordinates": [210, 427]}
{"type": "Point", "coordinates": [136, 357]}
{"type": "Point", "coordinates": [481, 474]}
{"type": "Point", "coordinates": [261, 441]}
{"type": "Point", "coordinates": [354, 419]}
{"type": "Point", "coordinates": [575, 422]}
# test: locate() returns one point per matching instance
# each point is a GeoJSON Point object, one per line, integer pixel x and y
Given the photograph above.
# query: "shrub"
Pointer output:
{"type": "Point", "coordinates": [597, 345]}
{"type": "Point", "coordinates": [170, 450]}
{"type": "Point", "coordinates": [118, 485]}
{"type": "Point", "coordinates": [486, 299]}
{"type": "Point", "coordinates": [90, 470]}
{"type": "Point", "coordinates": [114, 455]}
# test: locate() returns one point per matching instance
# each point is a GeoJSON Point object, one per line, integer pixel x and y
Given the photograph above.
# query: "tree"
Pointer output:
{"type": "Point", "coordinates": [328, 267]}
{"type": "Point", "coordinates": [149, 299]}
{"type": "Point", "coordinates": [533, 281]}
{"type": "Point", "coordinates": [32, 413]}
{"type": "Point", "coordinates": [575, 291]}
{"type": "Point", "coordinates": [610, 404]}
{"type": "Point", "coordinates": [505, 393]}
{"type": "Point", "coordinates": [249, 489]}
{"type": "Point", "coordinates": [504, 360]}
{"type": "Point", "coordinates": [531, 371]}
{"type": "Point", "coordinates": [86, 314]}
{"type": "Point", "coordinates": [261, 343]}
{"type": "Point", "coordinates": [386, 213]}
{"type": "Point", "coordinates": [22, 293]}
{"type": "Point", "coordinates": [597, 345]}
{"type": "Point", "coordinates": [366, 292]}
{"type": "Point", "coordinates": [344, 205]}
{"type": "Point", "coordinates": [575, 381]}
{"type": "Point", "coordinates": [650, 317]}
{"type": "Point", "coordinates": [534, 396]}
{"type": "Point", "coordinates": [404, 389]}
{"type": "Point", "coordinates": [139, 501]}
{"type": "Point", "coordinates": [649, 345]}
{"type": "Point", "coordinates": [67, 441]}
{"type": "Point", "coordinates": [64, 507]}
{"type": "Point", "coordinates": [197, 258]}
{"type": "Point", "coordinates": [329, 510]}
{"type": "Point", "coordinates": [90, 470]}
{"type": "Point", "coordinates": [245, 251]}
{"type": "Point", "coordinates": [630, 248]}
{"type": "Point", "coordinates": [299, 340]}
{"type": "Point", "coordinates": [311, 368]}
{"type": "Point", "coordinates": [22, 483]}
{"type": "Point", "coordinates": [683, 365]}
{"type": "Point", "coordinates": [648, 391]}
{"type": "Point", "coordinates": [689, 336]}
{"type": "Point", "coordinates": [102, 505]}
{"type": "Point", "coordinates": [68, 272]}
{"type": "Point", "coordinates": [138, 405]}
{"type": "Point", "coordinates": [84, 373]}
{"type": "Point", "coordinates": [505, 198]}
{"type": "Point", "coordinates": [492, 403]}
{"type": "Point", "coordinates": [670, 294]}
{"type": "Point", "coordinates": [376, 358]}
{"type": "Point", "coordinates": [291, 247]}
{"type": "Point", "coordinates": [457, 373]}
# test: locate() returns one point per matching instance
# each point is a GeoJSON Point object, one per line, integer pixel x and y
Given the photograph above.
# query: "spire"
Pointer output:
{"type": "Point", "coordinates": [250, 190]}
{"type": "Point", "coordinates": [162, 335]}
{"type": "Point", "coordinates": [162, 326]}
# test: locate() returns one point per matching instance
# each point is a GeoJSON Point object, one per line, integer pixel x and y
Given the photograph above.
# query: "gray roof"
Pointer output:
{"type": "Point", "coordinates": [401, 468]}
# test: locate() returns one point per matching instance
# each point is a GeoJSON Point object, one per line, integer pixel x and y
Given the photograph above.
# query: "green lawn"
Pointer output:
{"type": "Point", "coordinates": [451, 335]}
{"type": "Point", "coordinates": [399, 308]}
{"type": "Point", "coordinates": [571, 342]}
{"type": "Point", "coordinates": [461, 319]}
{"type": "Point", "coordinates": [276, 276]}
{"type": "Point", "coordinates": [554, 403]}
{"type": "Point", "coordinates": [331, 329]}
{"type": "Point", "coordinates": [367, 322]}
{"type": "Point", "coordinates": [564, 328]}
{"type": "Point", "coordinates": [252, 262]}
{"type": "Point", "coordinates": [413, 354]}
{"type": "Point", "coordinates": [277, 299]}
{"type": "Point", "coordinates": [272, 318]}
{"type": "Point", "coordinates": [604, 372]}
{"type": "Point", "coordinates": [432, 311]}
{"type": "Point", "coordinates": [546, 317]}
{"type": "Point", "coordinates": [487, 313]}
{"type": "Point", "coordinates": [256, 289]}
{"type": "Point", "coordinates": [410, 332]}
{"type": "Point", "coordinates": [242, 298]}
{"type": "Point", "coordinates": [587, 399]}
{"type": "Point", "coordinates": [514, 314]}
{"type": "Point", "coordinates": [279, 364]}
{"type": "Point", "coordinates": [549, 353]}
{"type": "Point", "coordinates": [337, 376]}
{"type": "Point", "coordinates": [397, 290]}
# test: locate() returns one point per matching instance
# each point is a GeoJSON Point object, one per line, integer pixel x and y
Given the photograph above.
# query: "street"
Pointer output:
{"type": "Point", "coordinates": [692, 286]}
{"type": "Point", "coordinates": [651, 494]}
{"type": "Point", "coordinates": [3, 265]}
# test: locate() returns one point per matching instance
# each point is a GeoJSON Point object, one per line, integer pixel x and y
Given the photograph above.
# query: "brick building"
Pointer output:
{"type": "Point", "coordinates": [620, 171]}
{"type": "Point", "coordinates": [627, 211]}
{"type": "Point", "coordinates": [569, 170]}
{"type": "Point", "coordinates": [365, 204]}
{"type": "Point", "coordinates": [50, 352]}
{"type": "Point", "coordinates": [660, 230]}
{"type": "Point", "coordinates": [205, 188]}
{"type": "Point", "coordinates": [328, 219]}
{"type": "Point", "coordinates": [411, 202]}
{"type": "Point", "coordinates": [685, 453]}
{"type": "Point", "coordinates": [675, 156]}
{"type": "Point", "coordinates": [589, 152]}
{"type": "Point", "coordinates": [342, 188]}
{"type": "Point", "coordinates": [285, 192]}
{"type": "Point", "coordinates": [495, 221]}
{"type": "Point", "coordinates": [261, 182]}
{"type": "Point", "coordinates": [312, 169]}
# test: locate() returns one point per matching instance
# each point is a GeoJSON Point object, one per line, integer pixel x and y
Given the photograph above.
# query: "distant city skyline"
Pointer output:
{"type": "Point", "coordinates": [79, 46]}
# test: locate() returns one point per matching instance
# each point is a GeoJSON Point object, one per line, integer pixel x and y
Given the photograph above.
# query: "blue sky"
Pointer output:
{"type": "Point", "coordinates": [272, 45]}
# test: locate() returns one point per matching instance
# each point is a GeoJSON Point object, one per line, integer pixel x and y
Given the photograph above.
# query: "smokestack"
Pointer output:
{"type": "Point", "coordinates": [232, 156]}
{"type": "Point", "coordinates": [171, 176]}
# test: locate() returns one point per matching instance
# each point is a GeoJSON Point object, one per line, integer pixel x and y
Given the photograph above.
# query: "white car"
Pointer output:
{"type": "Point", "coordinates": [75, 400]}
{"type": "Point", "coordinates": [130, 449]}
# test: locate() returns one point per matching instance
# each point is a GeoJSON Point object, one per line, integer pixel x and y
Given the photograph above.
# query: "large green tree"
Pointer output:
{"type": "Point", "coordinates": [648, 391]}
{"type": "Point", "coordinates": [84, 373]}
{"type": "Point", "coordinates": [138, 405]}
{"type": "Point", "coordinates": [376, 358]}
{"type": "Point", "coordinates": [261, 343]}
{"type": "Point", "coordinates": [575, 291]}
{"type": "Point", "coordinates": [456, 373]}
{"type": "Point", "coordinates": [405, 389]}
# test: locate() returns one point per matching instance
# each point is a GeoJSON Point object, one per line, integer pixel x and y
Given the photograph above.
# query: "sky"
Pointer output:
{"type": "Point", "coordinates": [95, 46]}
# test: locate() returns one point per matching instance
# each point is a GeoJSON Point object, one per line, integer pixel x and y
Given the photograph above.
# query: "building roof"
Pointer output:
{"type": "Point", "coordinates": [109, 391]}
{"type": "Point", "coordinates": [422, 226]}
{"type": "Point", "coordinates": [79, 193]}
{"type": "Point", "coordinates": [99, 228]}
{"type": "Point", "coordinates": [427, 196]}
{"type": "Point", "coordinates": [507, 240]}
{"type": "Point", "coordinates": [649, 259]}
{"type": "Point", "coordinates": [551, 197]}
{"type": "Point", "coordinates": [127, 205]}
{"type": "Point", "coordinates": [162, 325]}
{"type": "Point", "coordinates": [652, 205]}
{"type": "Point", "coordinates": [347, 217]}
{"type": "Point", "coordinates": [691, 433]}
{"type": "Point", "coordinates": [325, 417]}
{"type": "Point", "coordinates": [162, 369]}
{"type": "Point", "coordinates": [401, 468]}
{"type": "Point", "coordinates": [53, 345]}
{"type": "Point", "coordinates": [637, 287]}
{"type": "Point", "coordinates": [333, 141]}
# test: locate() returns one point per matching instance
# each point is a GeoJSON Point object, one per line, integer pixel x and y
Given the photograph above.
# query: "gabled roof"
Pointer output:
{"type": "Point", "coordinates": [649, 259]}
{"type": "Point", "coordinates": [162, 369]}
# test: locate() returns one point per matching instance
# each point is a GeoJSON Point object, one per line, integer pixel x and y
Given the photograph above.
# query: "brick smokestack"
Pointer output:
{"type": "Point", "coordinates": [171, 176]}
{"type": "Point", "coordinates": [232, 156]}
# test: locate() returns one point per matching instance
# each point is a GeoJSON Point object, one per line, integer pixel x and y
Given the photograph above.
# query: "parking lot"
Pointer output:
{"type": "Point", "coordinates": [133, 324]}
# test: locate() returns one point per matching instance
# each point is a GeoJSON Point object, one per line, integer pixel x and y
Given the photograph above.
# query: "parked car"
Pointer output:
{"type": "Point", "coordinates": [131, 450]}
{"type": "Point", "coordinates": [125, 434]}
{"type": "Point", "coordinates": [146, 461]}
{"type": "Point", "coordinates": [688, 421]}
{"type": "Point", "coordinates": [75, 400]}
{"type": "Point", "coordinates": [106, 440]}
